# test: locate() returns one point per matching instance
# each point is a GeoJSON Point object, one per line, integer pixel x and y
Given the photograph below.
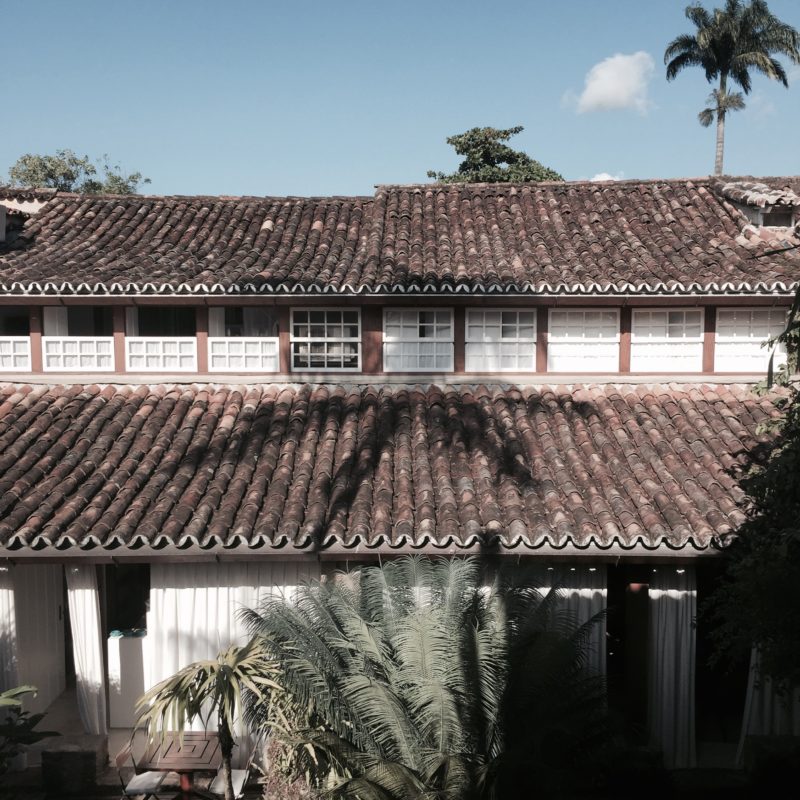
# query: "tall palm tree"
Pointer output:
{"type": "Point", "coordinates": [728, 45]}
{"type": "Point", "coordinates": [422, 682]}
{"type": "Point", "coordinates": [209, 687]}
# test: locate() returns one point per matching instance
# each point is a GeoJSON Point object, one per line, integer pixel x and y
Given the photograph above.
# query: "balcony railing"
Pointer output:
{"type": "Point", "coordinates": [161, 354]}
{"type": "Point", "coordinates": [15, 354]}
{"type": "Point", "coordinates": [91, 353]}
{"type": "Point", "coordinates": [243, 354]}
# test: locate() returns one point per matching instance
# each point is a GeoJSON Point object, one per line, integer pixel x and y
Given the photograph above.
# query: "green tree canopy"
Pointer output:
{"type": "Point", "coordinates": [68, 172]}
{"type": "Point", "coordinates": [729, 44]}
{"type": "Point", "coordinates": [488, 160]}
{"type": "Point", "coordinates": [757, 603]}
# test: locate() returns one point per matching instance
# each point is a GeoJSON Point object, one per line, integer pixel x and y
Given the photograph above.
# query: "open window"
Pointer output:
{"type": "Point", "coordinates": [161, 339]}
{"type": "Point", "coordinates": [243, 338]}
{"type": "Point", "coordinates": [15, 343]}
{"type": "Point", "coordinates": [78, 337]}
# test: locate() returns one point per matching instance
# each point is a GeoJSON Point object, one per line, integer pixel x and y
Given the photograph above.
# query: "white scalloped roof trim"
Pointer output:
{"type": "Point", "coordinates": [670, 287]}
{"type": "Point", "coordinates": [306, 543]}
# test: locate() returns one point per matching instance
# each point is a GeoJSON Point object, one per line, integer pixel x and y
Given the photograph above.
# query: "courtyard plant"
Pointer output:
{"type": "Point", "coordinates": [211, 691]}
{"type": "Point", "coordinates": [17, 726]}
{"type": "Point", "coordinates": [422, 678]}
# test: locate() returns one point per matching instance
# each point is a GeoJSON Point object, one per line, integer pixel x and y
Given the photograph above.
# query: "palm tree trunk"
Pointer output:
{"type": "Point", "coordinates": [720, 128]}
{"type": "Point", "coordinates": [226, 746]}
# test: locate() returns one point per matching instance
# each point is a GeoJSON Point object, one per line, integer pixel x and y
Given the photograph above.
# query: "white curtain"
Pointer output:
{"type": "Point", "coordinates": [671, 673]}
{"type": "Point", "coordinates": [87, 645]}
{"type": "Point", "coordinates": [766, 712]}
{"type": "Point", "coordinates": [8, 630]}
{"type": "Point", "coordinates": [55, 321]}
{"type": "Point", "coordinates": [194, 610]}
{"type": "Point", "coordinates": [583, 592]}
{"type": "Point", "coordinates": [132, 321]}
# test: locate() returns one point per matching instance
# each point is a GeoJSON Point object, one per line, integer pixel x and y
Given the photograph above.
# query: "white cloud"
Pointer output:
{"type": "Point", "coordinates": [607, 176]}
{"type": "Point", "coordinates": [617, 82]}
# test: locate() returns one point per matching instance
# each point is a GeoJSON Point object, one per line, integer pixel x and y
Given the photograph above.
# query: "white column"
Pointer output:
{"type": "Point", "coordinates": [8, 630]}
{"type": "Point", "coordinates": [673, 607]}
{"type": "Point", "coordinates": [87, 646]}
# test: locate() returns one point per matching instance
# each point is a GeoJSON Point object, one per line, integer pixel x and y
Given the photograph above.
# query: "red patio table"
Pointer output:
{"type": "Point", "coordinates": [185, 754]}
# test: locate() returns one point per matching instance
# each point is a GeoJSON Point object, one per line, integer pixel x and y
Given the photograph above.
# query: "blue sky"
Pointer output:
{"type": "Point", "coordinates": [319, 98]}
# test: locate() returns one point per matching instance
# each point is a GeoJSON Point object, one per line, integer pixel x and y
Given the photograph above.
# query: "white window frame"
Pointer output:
{"type": "Point", "coordinates": [225, 342]}
{"type": "Point", "coordinates": [13, 341]}
{"type": "Point", "coordinates": [450, 339]}
{"type": "Point", "coordinates": [695, 340]}
{"type": "Point", "coordinates": [520, 340]}
{"type": "Point", "coordinates": [583, 339]}
{"type": "Point", "coordinates": [60, 342]}
{"type": "Point", "coordinates": [160, 342]}
{"type": "Point", "coordinates": [309, 339]}
{"type": "Point", "coordinates": [720, 338]}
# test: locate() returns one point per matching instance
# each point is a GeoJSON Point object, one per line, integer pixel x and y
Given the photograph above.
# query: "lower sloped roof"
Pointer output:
{"type": "Point", "coordinates": [288, 468]}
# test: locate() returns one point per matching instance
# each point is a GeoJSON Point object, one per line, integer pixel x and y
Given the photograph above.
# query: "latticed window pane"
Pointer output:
{"type": "Point", "coordinates": [239, 354]}
{"type": "Point", "coordinates": [667, 340]}
{"type": "Point", "coordinates": [326, 339]}
{"type": "Point", "coordinates": [583, 341]}
{"type": "Point", "coordinates": [155, 354]}
{"type": "Point", "coordinates": [741, 335]}
{"type": "Point", "coordinates": [500, 340]}
{"type": "Point", "coordinates": [15, 353]}
{"type": "Point", "coordinates": [418, 340]}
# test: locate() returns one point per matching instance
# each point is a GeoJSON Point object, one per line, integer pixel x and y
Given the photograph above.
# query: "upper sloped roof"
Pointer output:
{"type": "Point", "coordinates": [672, 236]}
{"type": "Point", "coordinates": [303, 468]}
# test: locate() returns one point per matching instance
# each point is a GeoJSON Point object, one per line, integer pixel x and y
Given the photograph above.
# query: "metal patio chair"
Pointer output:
{"type": "Point", "coordinates": [146, 783]}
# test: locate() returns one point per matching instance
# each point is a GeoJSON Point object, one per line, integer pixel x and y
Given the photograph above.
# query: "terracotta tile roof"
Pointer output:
{"type": "Point", "coordinates": [758, 193]}
{"type": "Point", "coordinates": [673, 236]}
{"type": "Point", "coordinates": [310, 468]}
{"type": "Point", "coordinates": [26, 193]}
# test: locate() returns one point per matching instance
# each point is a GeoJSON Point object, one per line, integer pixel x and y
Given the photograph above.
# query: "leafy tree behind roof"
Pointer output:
{"type": "Point", "coordinates": [488, 160]}
{"type": "Point", "coordinates": [69, 172]}
{"type": "Point", "coordinates": [757, 602]}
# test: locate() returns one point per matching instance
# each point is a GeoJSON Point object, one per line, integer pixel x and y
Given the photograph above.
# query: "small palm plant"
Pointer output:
{"type": "Point", "coordinates": [424, 682]}
{"type": "Point", "coordinates": [17, 726]}
{"type": "Point", "coordinates": [204, 688]}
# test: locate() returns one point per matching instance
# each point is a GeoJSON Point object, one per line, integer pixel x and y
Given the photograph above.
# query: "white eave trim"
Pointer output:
{"type": "Point", "coordinates": [150, 290]}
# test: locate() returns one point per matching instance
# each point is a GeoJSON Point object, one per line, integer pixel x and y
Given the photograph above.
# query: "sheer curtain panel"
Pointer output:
{"type": "Point", "coordinates": [671, 674]}
{"type": "Point", "coordinates": [87, 646]}
{"type": "Point", "coordinates": [8, 629]}
{"type": "Point", "coordinates": [767, 712]}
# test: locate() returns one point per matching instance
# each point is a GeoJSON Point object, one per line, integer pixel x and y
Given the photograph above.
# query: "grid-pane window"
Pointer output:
{"type": "Point", "coordinates": [500, 341]}
{"type": "Point", "coordinates": [78, 352]}
{"type": "Point", "coordinates": [741, 333]}
{"type": "Point", "coordinates": [15, 353]}
{"type": "Point", "coordinates": [583, 341]}
{"type": "Point", "coordinates": [326, 339]}
{"type": "Point", "coordinates": [418, 340]}
{"type": "Point", "coordinates": [240, 353]}
{"type": "Point", "coordinates": [669, 340]}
